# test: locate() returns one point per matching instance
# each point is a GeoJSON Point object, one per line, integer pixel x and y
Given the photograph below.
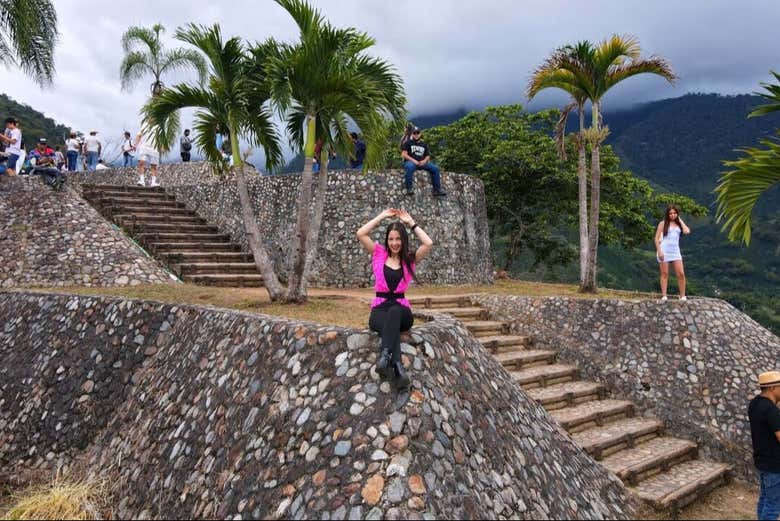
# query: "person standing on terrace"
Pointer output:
{"type": "Point", "coordinates": [667, 245]}
{"type": "Point", "coordinates": [394, 268]}
{"type": "Point", "coordinates": [765, 433]}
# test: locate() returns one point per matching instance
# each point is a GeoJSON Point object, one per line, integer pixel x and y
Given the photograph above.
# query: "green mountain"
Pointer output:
{"type": "Point", "coordinates": [34, 125]}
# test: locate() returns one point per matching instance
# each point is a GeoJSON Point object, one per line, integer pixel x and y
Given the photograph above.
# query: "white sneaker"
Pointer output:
{"type": "Point", "coordinates": [141, 181]}
{"type": "Point", "coordinates": [664, 298]}
{"type": "Point", "coordinates": [683, 298]}
{"type": "Point", "coordinates": [154, 182]}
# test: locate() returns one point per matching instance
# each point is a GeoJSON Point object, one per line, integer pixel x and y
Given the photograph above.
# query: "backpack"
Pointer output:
{"type": "Point", "coordinates": [186, 145]}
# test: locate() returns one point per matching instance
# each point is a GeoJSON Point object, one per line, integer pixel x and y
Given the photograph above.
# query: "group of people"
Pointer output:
{"type": "Point", "coordinates": [90, 149]}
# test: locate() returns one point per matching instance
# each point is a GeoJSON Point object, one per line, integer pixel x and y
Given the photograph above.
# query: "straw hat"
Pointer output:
{"type": "Point", "coordinates": [769, 379]}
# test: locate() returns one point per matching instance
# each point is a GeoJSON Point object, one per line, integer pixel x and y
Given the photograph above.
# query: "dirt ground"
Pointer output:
{"type": "Point", "coordinates": [735, 501]}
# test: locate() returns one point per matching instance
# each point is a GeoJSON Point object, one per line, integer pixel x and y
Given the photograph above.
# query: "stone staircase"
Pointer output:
{"type": "Point", "coordinates": [191, 248]}
{"type": "Point", "coordinates": [662, 470]}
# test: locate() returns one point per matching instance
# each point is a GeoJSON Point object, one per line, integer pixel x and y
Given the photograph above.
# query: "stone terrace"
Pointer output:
{"type": "Point", "coordinates": [201, 412]}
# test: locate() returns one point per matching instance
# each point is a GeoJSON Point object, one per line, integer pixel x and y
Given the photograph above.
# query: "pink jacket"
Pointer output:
{"type": "Point", "coordinates": [378, 264]}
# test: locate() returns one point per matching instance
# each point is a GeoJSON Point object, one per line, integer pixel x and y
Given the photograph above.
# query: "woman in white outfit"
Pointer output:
{"type": "Point", "coordinates": [667, 246]}
{"type": "Point", "coordinates": [147, 153]}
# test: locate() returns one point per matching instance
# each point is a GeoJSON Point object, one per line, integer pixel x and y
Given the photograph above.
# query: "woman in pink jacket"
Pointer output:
{"type": "Point", "coordinates": [393, 264]}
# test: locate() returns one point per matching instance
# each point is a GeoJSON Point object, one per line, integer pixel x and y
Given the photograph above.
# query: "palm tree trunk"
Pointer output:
{"type": "Point", "coordinates": [595, 201]}
{"type": "Point", "coordinates": [296, 287]}
{"type": "Point", "coordinates": [312, 242]}
{"type": "Point", "coordinates": [262, 261]}
{"type": "Point", "coordinates": [582, 176]}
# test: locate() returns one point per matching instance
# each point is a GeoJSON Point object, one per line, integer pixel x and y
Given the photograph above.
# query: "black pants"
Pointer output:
{"type": "Point", "coordinates": [185, 157]}
{"type": "Point", "coordinates": [389, 322]}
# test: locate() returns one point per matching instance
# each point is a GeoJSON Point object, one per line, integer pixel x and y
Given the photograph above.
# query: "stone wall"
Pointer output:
{"type": "Point", "coordinates": [199, 412]}
{"type": "Point", "coordinates": [457, 224]}
{"type": "Point", "coordinates": [693, 364]}
{"type": "Point", "coordinates": [52, 238]}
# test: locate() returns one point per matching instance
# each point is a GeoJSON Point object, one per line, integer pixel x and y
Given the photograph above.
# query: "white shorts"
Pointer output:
{"type": "Point", "coordinates": [148, 155]}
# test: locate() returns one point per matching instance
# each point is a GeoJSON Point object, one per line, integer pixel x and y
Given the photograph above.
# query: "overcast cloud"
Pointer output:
{"type": "Point", "coordinates": [451, 54]}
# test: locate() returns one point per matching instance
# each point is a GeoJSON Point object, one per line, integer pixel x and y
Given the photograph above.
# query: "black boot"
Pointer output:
{"type": "Point", "coordinates": [383, 364]}
{"type": "Point", "coordinates": [401, 378]}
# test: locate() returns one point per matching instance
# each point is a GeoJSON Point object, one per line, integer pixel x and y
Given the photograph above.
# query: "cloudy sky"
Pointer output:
{"type": "Point", "coordinates": [451, 54]}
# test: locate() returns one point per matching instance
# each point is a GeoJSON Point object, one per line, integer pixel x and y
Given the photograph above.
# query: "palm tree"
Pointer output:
{"type": "Point", "coordinates": [28, 34]}
{"type": "Point", "coordinates": [235, 102]}
{"type": "Point", "coordinates": [154, 59]}
{"type": "Point", "coordinates": [753, 175]}
{"type": "Point", "coordinates": [319, 85]}
{"type": "Point", "coordinates": [594, 70]}
{"type": "Point", "coordinates": [548, 76]}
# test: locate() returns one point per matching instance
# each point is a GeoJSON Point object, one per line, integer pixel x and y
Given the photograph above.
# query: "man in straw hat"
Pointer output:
{"type": "Point", "coordinates": [765, 430]}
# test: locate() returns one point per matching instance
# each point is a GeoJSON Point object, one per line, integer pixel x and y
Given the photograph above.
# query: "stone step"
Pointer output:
{"type": "Point", "coordinates": [501, 343]}
{"type": "Point", "coordinates": [128, 195]}
{"type": "Point", "coordinates": [659, 454]}
{"type": "Point", "coordinates": [207, 268]}
{"type": "Point", "coordinates": [613, 437]}
{"type": "Point", "coordinates": [177, 228]}
{"type": "Point", "coordinates": [445, 301]}
{"type": "Point", "coordinates": [567, 394]}
{"type": "Point", "coordinates": [482, 328]}
{"type": "Point", "coordinates": [464, 313]}
{"type": "Point", "coordinates": [146, 202]}
{"type": "Point", "coordinates": [178, 247]}
{"type": "Point", "coordinates": [225, 280]}
{"type": "Point", "coordinates": [153, 210]}
{"type": "Point", "coordinates": [589, 414]}
{"type": "Point", "coordinates": [682, 484]}
{"type": "Point", "coordinates": [184, 257]}
{"type": "Point", "coordinates": [182, 237]}
{"type": "Point", "coordinates": [526, 358]}
{"type": "Point", "coordinates": [123, 188]}
{"type": "Point", "coordinates": [544, 375]}
{"type": "Point", "coordinates": [124, 219]}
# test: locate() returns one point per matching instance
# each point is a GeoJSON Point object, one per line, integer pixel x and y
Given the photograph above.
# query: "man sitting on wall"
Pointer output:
{"type": "Point", "coordinates": [43, 160]}
{"type": "Point", "coordinates": [417, 157]}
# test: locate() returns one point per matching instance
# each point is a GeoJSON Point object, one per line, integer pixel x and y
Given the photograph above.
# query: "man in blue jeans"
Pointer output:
{"type": "Point", "coordinates": [765, 431]}
{"type": "Point", "coordinates": [417, 157]}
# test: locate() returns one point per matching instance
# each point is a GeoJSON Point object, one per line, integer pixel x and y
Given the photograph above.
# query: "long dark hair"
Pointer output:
{"type": "Point", "coordinates": [407, 257]}
{"type": "Point", "coordinates": [668, 220]}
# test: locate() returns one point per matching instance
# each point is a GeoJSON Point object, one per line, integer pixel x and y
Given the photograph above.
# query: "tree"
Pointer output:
{"type": "Point", "coordinates": [319, 85]}
{"type": "Point", "coordinates": [753, 175]}
{"type": "Point", "coordinates": [28, 34]}
{"type": "Point", "coordinates": [235, 102]}
{"type": "Point", "coordinates": [549, 76]}
{"type": "Point", "coordinates": [593, 70]}
{"type": "Point", "coordinates": [154, 59]}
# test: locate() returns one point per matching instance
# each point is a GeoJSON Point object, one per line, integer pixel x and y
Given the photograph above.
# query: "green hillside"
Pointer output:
{"type": "Point", "coordinates": [34, 125]}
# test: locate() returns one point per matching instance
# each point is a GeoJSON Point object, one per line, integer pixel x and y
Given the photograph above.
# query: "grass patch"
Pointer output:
{"type": "Point", "coordinates": [61, 499]}
{"type": "Point", "coordinates": [339, 307]}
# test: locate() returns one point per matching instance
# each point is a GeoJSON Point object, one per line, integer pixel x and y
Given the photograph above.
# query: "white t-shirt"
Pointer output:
{"type": "Point", "coordinates": [127, 146]}
{"type": "Point", "coordinates": [92, 143]}
{"type": "Point", "coordinates": [14, 148]}
{"type": "Point", "coordinates": [72, 144]}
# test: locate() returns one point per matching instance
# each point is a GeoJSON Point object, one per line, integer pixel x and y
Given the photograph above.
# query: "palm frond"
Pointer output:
{"type": "Point", "coordinates": [740, 189]}
{"type": "Point", "coordinates": [157, 113]}
{"type": "Point", "coordinates": [304, 15]}
{"type": "Point", "coordinates": [31, 30]}
{"type": "Point", "coordinates": [182, 59]}
{"type": "Point", "coordinates": [149, 38]}
{"type": "Point", "coordinates": [652, 65]}
{"type": "Point", "coordinates": [772, 95]}
{"type": "Point", "coordinates": [134, 66]}
{"type": "Point", "coordinates": [615, 50]}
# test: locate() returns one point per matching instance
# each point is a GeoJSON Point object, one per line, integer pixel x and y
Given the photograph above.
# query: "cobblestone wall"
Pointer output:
{"type": "Point", "coordinates": [199, 412]}
{"type": "Point", "coordinates": [693, 365]}
{"type": "Point", "coordinates": [457, 224]}
{"type": "Point", "coordinates": [57, 239]}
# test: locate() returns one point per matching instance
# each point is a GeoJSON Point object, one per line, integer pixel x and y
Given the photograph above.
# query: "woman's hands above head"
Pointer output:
{"type": "Point", "coordinates": [405, 218]}
{"type": "Point", "coordinates": [389, 213]}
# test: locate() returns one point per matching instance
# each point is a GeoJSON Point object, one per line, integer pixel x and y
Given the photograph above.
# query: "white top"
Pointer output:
{"type": "Point", "coordinates": [127, 145]}
{"type": "Point", "coordinates": [146, 140]}
{"type": "Point", "coordinates": [14, 148]}
{"type": "Point", "coordinates": [92, 143]}
{"type": "Point", "coordinates": [73, 144]}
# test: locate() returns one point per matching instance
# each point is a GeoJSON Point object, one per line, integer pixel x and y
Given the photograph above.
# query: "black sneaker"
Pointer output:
{"type": "Point", "coordinates": [409, 191]}
{"type": "Point", "coordinates": [439, 193]}
{"type": "Point", "coordinates": [401, 378]}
